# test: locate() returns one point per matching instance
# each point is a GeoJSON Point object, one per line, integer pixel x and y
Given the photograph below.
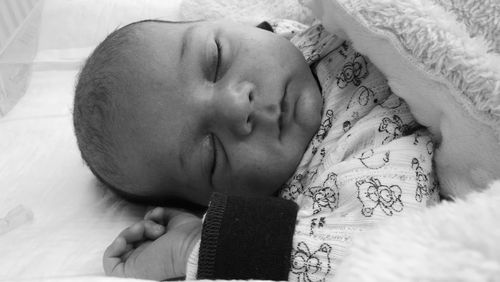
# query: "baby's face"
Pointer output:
{"type": "Point", "coordinates": [217, 106]}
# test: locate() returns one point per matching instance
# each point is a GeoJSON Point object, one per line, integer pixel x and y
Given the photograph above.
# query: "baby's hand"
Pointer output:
{"type": "Point", "coordinates": [155, 248]}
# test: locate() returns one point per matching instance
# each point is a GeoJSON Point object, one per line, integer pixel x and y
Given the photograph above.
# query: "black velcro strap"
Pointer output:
{"type": "Point", "coordinates": [247, 238]}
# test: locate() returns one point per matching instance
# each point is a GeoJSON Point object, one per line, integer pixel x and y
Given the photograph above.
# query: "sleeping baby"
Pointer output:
{"type": "Point", "coordinates": [179, 112]}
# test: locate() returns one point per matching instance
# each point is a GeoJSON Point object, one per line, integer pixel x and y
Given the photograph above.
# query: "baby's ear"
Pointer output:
{"type": "Point", "coordinates": [266, 26]}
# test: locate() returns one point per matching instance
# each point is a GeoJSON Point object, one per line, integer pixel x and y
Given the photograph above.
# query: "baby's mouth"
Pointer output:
{"type": "Point", "coordinates": [284, 108]}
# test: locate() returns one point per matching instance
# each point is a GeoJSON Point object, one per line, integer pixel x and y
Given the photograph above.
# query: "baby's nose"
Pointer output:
{"type": "Point", "coordinates": [236, 107]}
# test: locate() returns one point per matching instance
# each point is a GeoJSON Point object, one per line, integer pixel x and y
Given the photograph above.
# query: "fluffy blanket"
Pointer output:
{"type": "Point", "coordinates": [453, 241]}
{"type": "Point", "coordinates": [253, 11]}
{"type": "Point", "coordinates": [443, 58]}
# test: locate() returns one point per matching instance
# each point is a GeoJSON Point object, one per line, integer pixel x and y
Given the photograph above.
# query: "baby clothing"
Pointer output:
{"type": "Point", "coordinates": [368, 162]}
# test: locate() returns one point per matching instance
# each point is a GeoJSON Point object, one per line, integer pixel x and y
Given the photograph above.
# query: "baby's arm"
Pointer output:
{"type": "Point", "coordinates": [155, 248]}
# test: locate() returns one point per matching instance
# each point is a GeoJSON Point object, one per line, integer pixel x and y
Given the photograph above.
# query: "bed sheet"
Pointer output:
{"type": "Point", "coordinates": [40, 168]}
{"type": "Point", "coordinates": [70, 218]}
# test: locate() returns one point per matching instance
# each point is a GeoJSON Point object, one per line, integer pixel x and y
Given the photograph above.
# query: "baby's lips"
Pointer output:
{"type": "Point", "coordinates": [285, 107]}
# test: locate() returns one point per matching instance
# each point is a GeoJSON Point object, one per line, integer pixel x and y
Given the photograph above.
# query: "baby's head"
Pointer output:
{"type": "Point", "coordinates": [180, 110]}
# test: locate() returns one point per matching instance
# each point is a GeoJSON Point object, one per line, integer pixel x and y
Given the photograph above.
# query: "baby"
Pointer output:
{"type": "Point", "coordinates": [180, 110]}
{"type": "Point", "coordinates": [168, 112]}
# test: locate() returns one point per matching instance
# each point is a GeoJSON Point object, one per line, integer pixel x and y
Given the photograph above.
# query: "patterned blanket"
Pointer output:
{"type": "Point", "coordinates": [443, 58]}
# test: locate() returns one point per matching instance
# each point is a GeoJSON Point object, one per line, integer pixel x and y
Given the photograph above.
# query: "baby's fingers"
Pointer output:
{"type": "Point", "coordinates": [153, 230]}
{"type": "Point", "coordinates": [164, 216]}
{"type": "Point", "coordinates": [134, 233]}
{"type": "Point", "coordinates": [156, 215]}
{"type": "Point", "coordinates": [112, 260]}
{"type": "Point", "coordinates": [118, 252]}
{"type": "Point", "coordinates": [120, 249]}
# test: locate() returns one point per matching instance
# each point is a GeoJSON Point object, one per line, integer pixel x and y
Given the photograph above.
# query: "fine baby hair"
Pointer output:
{"type": "Point", "coordinates": [95, 113]}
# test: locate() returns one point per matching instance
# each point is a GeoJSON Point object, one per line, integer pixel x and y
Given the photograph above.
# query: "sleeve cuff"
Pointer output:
{"type": "Point", "coordinates": [192, 264]}
{"type": "Point", "coordinates": [246, 238]}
